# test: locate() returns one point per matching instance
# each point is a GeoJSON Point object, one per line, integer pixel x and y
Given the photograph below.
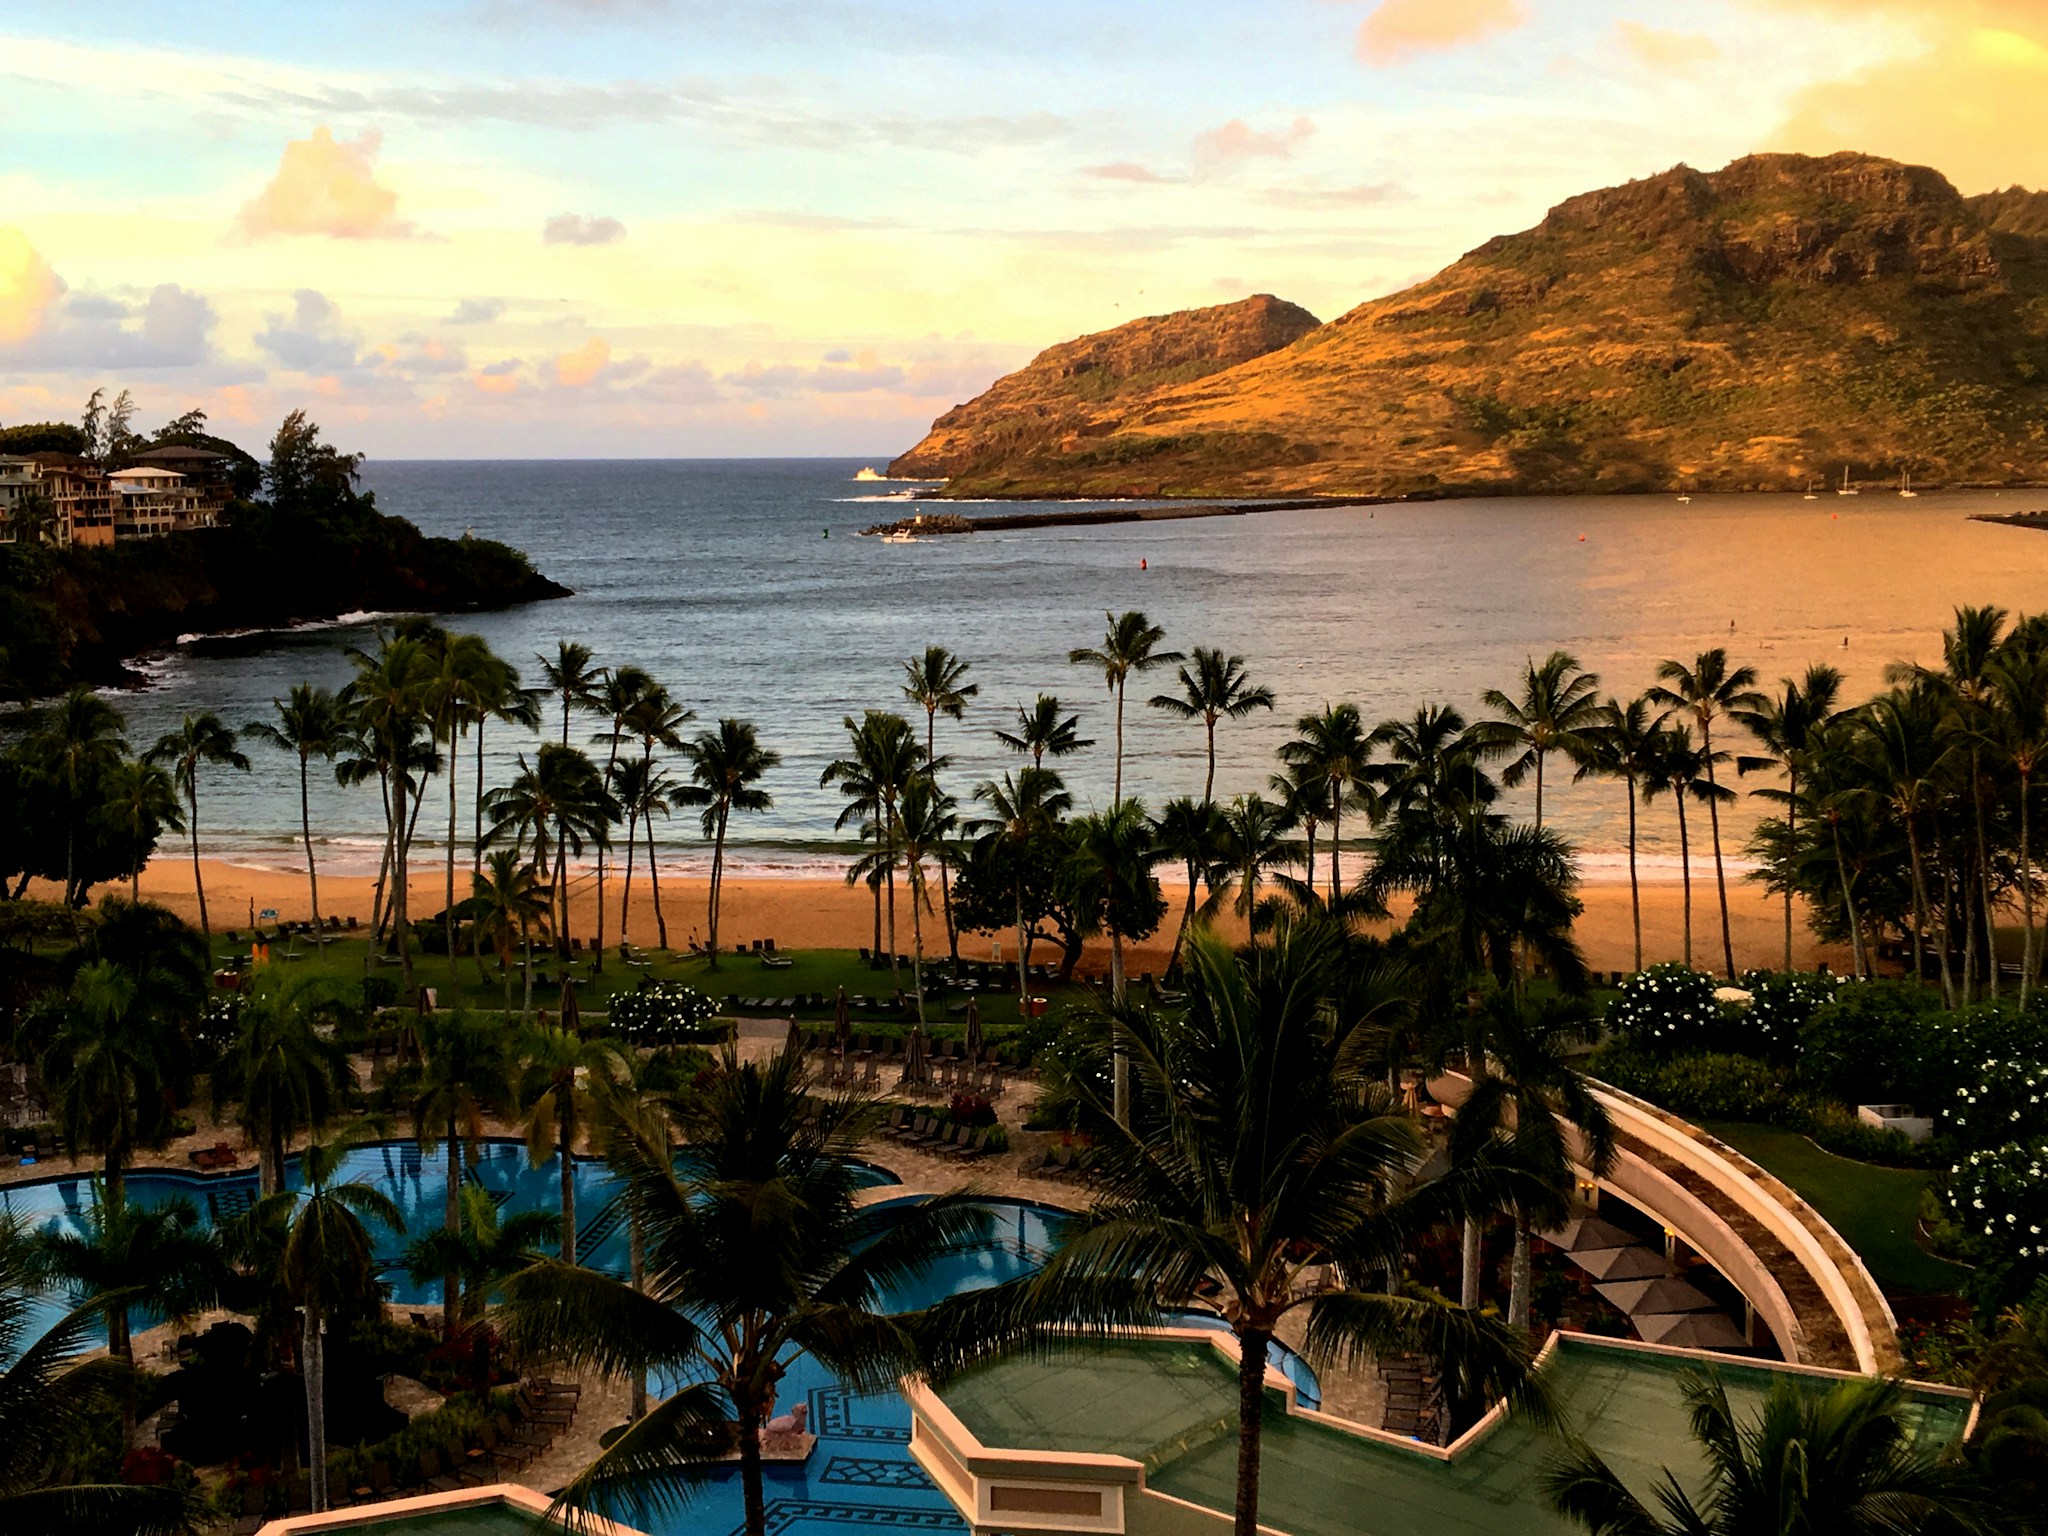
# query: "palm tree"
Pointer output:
{"type": "Point", "coordinates": [51, 1402]}
{"type": "Point", "coordinates": [937, 684]}
{"type": "Point", "coordinates": [1433, 780]}
{"type": "Point", "coordinates": [1845, 1461]}
{"type": "Point", "coordinates": [512, 903]}
{"type": "Point", "coordinates": [1622, 743]}
{"type": "Point", "coordinates": [1109, 875]}
{"type": "Point", "coordinates": [139, 801]}
{"type": "Point", "coordinates": [571, 678]}
{"type": "Point", "coordinates": [1190, 833]}
{"type": "Point", "coordinates": [1680, 768]}
{"type": "Point", "coordinates": [280, 1072]}
{"type": "Point", "coordinates": [1130, 643]}
{"type": "Point", "coordinates": [657, 720]}
{"type": "Point", "coordinates": [466, 1073]}
{"type": "Point", "coordinates": [1707, 690]}
{"type": "Point", "coordinates": [2019, 674]}
{"type": "Point", "coordinates": [1335, 747]}
{"type": "Point", "coordinates": [1786, 727]}
{"type": "Point", "coordinates": [161, 1258]}
{"type": "Point", "coordinates": [1558, 705]}
{"type": "Point", "coordinates": [1022, 809]}
{"type": "Point", "coordinates": [500, 698]}
{"type": "Point", "coordinates": [1268, 1168]}
{"type": "Point", "coordinates": [1253, 841]}
{"type": "Point", "coordinates": [1043, 732]}
{"type": "Point", "coordinates": [726, 769]}
{"type": "Point", "coordinates": [644, 791]}
{"type": "Point", "coordinates": [481, 1251]}
{"type": "Point", "coordinates": [634, 1107]}
{"type": "Point", "coordinates": [1530, 1091]}
{"type": "Point", "coordinates": [199, 739]}
{"type": "Point", "coordinates": [468, 677]}
{"type": "Point", "coordinates": [925, 827]}
{"type": "Point", "coordinates": [883, 759]}
{"type": "Point", "coordinates": [623, 692]}
{"type": "Point", "coordinates": [1213, 687]}
{"type": "Point", "coordinates": [757, 1250]}
{"type": "Point", "coordinates": [386, 701]}
{"type": "Point", "coordinates": [327, 1263]}
{"type": "Point", "coordinates": [1909, 753]}
{"type": "Point", "coordinates": [308, 726]}
{"type": "Point", "coordinates": [76, 743]}
{"type": "Point", "coordinates": [561, 791]}
{"type": "Point", "coordinates": [562, 1071]}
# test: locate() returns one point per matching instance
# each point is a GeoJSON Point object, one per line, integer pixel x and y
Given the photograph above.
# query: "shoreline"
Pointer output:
{"type": "Point", "coordinates": [813, 912]}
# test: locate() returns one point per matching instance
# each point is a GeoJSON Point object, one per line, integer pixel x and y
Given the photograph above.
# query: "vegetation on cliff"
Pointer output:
{"type": "Point", "coordinates": [309, 545]}
{"type": "Point", "coordinates": [1749, 329]}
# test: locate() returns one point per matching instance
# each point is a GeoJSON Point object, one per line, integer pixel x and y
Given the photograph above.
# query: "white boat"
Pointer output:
{"type": "Point", "coordinates": [899, 537]}
{"type": "Point", "coordinates": [1811, 493]}
{"type": "Point", "coordinates": [1846, 489]}
{"type": "Point", "coordinates": [870, 473]}
{"type": "Point", "coordinates": [1683, 499]}
{"type": "Point", "coordinates": [1906, 484]}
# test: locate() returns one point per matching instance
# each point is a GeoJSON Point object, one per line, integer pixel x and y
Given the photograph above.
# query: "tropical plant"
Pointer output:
{"type": "Point", "coordinates": [75, 743]}
{"type": "Point", "coordinates": [1677, 767]}
{"type": "Point", "coordinates": [387, 703]}
{"type": "Point", "coordinates": [2019, 675]}
{"type": "Point", "coordinates": [280, 1073]}
{"type": "Point", "coordinates": [925, 826]}
{"type": "Point", "coordinates": [1253, 840]}
{"type": "Point", "coordinates": [483, 1248]}
{"type": "Point", "coordinates": [623, 692]}
{"type": "Point", "coordinates": [561, 791]}
{"type": "Point", "coordinates": [1130, 643]}
{"type": "Point", "coordinates": [1622, 743]}
{"type": "Point", "coordinates": [326, 1262]}
{"type": "Point", "coordinates": [308, 725]}
{"type": "Point", "coordinates": [1213, 687]}
{"type": "Point", "coordinates": [140, 802]}
{"type": "Point", "coordinates": [1044, 731]}
{"type": "Point", "coordinates": [644, 790]}
{"type": "Point", "coordinates": [200, 739]}
{"type": "Point", "coordinates": [466, 1072]}
{"type": "Point", "coordinates": [756, 1250]}
{"type": "Point", "coordinates": [1707, 690]}
{"type": "Point", "coordinates": [1787, 728]}
{"type": "Point", "coordinates": [883, 757]}
{"type": "Point", "coordinates": [1190, 833]}
{"type": "Point", "coordinates": [1022, 809]}
{"type": "Point", "coordinates": [511, 905]}
{"type": "Point", "coordinates": [726, 769]}
{"type": "Point", "coordinates": [1336, 748]}
{"type": "Point", "coordinates": [936, 683]}
{"type": "Point", "coordinates": [1842, 1461]}
{"type": "Point", "coordinates": [1109, 876]}
{"type": "Point", "coordinates": [1908, 754]}
{"type": "Point", "coordinates": [1267, 1166]}
{"type": "Point", "coordinates": [562, 1072]}
{"type": "Point", "coordinates": [1557, 705]}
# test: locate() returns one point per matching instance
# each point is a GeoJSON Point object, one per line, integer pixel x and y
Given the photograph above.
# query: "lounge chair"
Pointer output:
{"type": "Point", "coordinates": [542, 1410]}
{"type": "Point", "coordinates": [436, 1479]}
{"type": "Point", "coordinates": [250, 1520]}
{"type": "Point", "coordinates": [504, 1453]}
{"type": "Point", "coordinates": [548, 1387]}
{"type": "Point", "coordinates": [973, 1146]}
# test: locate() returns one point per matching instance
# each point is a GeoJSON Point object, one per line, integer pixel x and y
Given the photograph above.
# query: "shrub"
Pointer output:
{"type": "Point", "coordinates": [1870, 1043]}
{"type": "Point", "coordinates": [663, 1013]}
{"type": "Point", "coordinates": [2005, 1100]}
{"type": "Point", "coordinates": [379, 992]}
{"type": "Point", "coordinates": [1667, 1009]}
{"type": "Point", "coordinates": [972, 1110]}
{"type": "Point", "coordinates": [1711, 1085]}
{"type": "Point", "coordinates": [2000, 1200]}
{"type": "Point", "coordinates": [1781, 1005]}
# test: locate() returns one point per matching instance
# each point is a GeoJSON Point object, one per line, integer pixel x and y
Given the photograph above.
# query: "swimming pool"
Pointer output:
{"type": "Point", "coordinates": [861, 1471]}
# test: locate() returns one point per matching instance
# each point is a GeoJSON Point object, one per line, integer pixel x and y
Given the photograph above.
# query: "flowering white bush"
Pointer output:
{"type": "Point", "coordinates": [2000, 1199]}
{"type": "Point", "coordinates": [2004, 1100]}
{"type": "Point", "coordinates": [1668, 1008]}
{"type": "Point", "coordinates": [663, 1013]}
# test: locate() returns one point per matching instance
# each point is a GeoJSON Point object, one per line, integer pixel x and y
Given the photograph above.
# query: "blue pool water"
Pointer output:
{"type": "Point", "coordinates": [860, 1473]}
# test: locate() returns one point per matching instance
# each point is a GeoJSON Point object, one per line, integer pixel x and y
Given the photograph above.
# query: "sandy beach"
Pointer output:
{"type": "Point", "coordinates": [826, 914]}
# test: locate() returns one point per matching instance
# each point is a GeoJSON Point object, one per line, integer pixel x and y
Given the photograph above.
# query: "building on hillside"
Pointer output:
{"type": "Point", "coordinates": [206, 472]}
{"type": "Point", "coordinates": [20, 478]}
{"type": "Point", "coordinates": [83, 500]}
{"type": "Point", "coordinates": [151, 502]}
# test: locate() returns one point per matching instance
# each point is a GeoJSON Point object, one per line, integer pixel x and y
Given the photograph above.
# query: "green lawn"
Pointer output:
{"type": "Point", "coordinates": [1875, 1209]}
{"type": "Point", "coordinates": [814, 971]}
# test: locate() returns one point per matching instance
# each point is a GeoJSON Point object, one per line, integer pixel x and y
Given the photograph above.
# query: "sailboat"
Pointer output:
{"type": "Point", "coordinates": [1846, 489]}
{"type": "Point", "coordinates": [1906, 484]}
{"type": "Point", "coordinates": [1811, 493]}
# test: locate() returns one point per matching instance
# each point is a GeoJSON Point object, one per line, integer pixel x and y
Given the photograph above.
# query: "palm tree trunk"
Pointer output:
{"type": "Point", "coordinates": [312, 874]}
{"type": "Point", "coordinates": [561, 898]}
{"type": "Point", "coordinates": [2026, 898]}
{"type": "Point", "coordinates": [1791, 829]}
{"type": "Point", "coordinates": [1251, 1419]}
{"type": "Point", "coordinates": [1468, 1265]}
{"type": "Point", "coordinates": [121, 1345]}
{"type": "Point", "coordinates": [1209, 780]}
{"type": "Point", "coordinates": [1948, 893]}
{"type": "Point", "coordinates": [1859, 958]}
{"type": "Point", "coordinates": [1023, 955]}
{"type": "Point", "coordinates": [889, 824]}
{"type": "Point", "coordinates": [1120, 1065]}
{"type": "Point", "coordinates": [712, 893]}
{"type": "Point", "coordinates": [448, 892]}
{"type": "Point", "coordinates": [1984, 875]}
{"type": "Point", "coordinates": [654, 889]}
{"type": "Point", "coordinates": [1685, 874]}
{"type": "Point", "coordinates": [750, 1468]}
{"type": "Point", "coordinates": [1336, 837]}
{"type": "Point", "coordinates": [1720, 873]}
{"type": "Point", "coordinates": [945, 885]}
{"type": "Point", "coordinates": [313, 1362]}
{"type": "Point", "coordinates": [505, 969]}
{"type": "Point", "coordinates": [1519, 1278]}
{"type": "Point", "coordinates": [476, 840]}
{"type": "Point", "coordinates": [1920, 908]}
{"type": "Point", "coordinates": [636, 1257]}
{"type": "Point", "coordinates": [1187, 916]}
{"type": "Point", "coordinates": [917, 937]}
{"type": "Point", "coordinates": [611, 769]}
{"type": "Point", "coordinates": [400, 905]}
{"type": "Point", "coordinates": [1116, 794]}
{"type": "Point", "coordinates": [1539, 789]}
{"type": "Point", "coordinates": [199, 879]}
{"type": "Point", "coordinates": [451, 1219]}
{"type": "Point", "coordinates": [526, 936]}
{"type": "Point", "coordinates": [568, 1092]}
{"type": "Point", "coordinates": [1635, 890]}
{"type": "Point", "coordinates": [626, 886]}
{"type": "Point", "coordinates": [383, 869]}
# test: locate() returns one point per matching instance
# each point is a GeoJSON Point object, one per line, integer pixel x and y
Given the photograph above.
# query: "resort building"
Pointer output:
{"type": "Point", "coordinates": [80, 497]}
{"type": "Point", "coordinates": [150, 502]}
{"type": "Point", "coordinates": [20, 479]}
{"type": "Point", "coordinates": [205, 472]}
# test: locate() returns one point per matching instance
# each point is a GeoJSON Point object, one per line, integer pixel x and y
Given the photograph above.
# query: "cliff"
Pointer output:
{"type": "Point", "coordinates": [1746, 329]}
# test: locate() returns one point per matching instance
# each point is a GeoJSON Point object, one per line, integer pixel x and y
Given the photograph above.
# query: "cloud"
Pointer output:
{"type": "Point", "coordinates": [416, 356]}
{"type": "Point", "coordinates": [1237, 141]}
{"type": "Point", "coordinates": [1666, 53]}
{"type": "Point", "coordinates": [1398, 28]}
{"type": "Point", "coordinates": [475, 312]}
{"type": "Point", "coordinates": [499, 378]}
{"type": "Point", "coordinates": [309, 339]}
{"type": "Point", "coordinates": [325, 186]}
{"type": "Point", "coordinates": [1128, 170]}
{"type": "Point", "coordinates": [1364, 194]}
{"type": "Point", "coordinates": [582, 229]}
{"type": "Point", "coordinates": [573, 370]}
{"type": "Point", "coordinates": [839, 374]}
{"type": "Point", "coordinates": [28, 287]}
{"type": "Point", "coordinates": [1971, 100]}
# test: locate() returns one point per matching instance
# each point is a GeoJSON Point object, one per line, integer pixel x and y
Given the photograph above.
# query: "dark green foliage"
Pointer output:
{"type": "Point", "coordinates": [1869, 1044]}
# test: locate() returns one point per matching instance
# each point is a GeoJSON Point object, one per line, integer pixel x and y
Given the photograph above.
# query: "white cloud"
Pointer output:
{"type": "Point", "coordinates": [310, 338]}
{"type": "Point", "coordinates": [582, 229]}
{"type": "Point", "coordinates": [325, 186]}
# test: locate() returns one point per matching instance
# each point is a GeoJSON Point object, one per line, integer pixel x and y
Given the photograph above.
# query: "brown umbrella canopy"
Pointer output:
{"type": "Point", "coordinates": [1664, 1293]}
{"type": "Point", "coordinates": [842, 1023]}
{"type": "Point", "coordinates": [1690, 1330]}
{"type": "Point", "coordinates": [1588, 1232]}
{"type": "Point", "coordinates": [1633, 1263]}
{"type": "Point", "coordinates": [572, 1016]}
{"type": "Point", "coordinates": [794, 1045]}
{"type": "Point", "coordinates": [913, 1059]}
{"type": "Point", "coordinates": [973, 1030]}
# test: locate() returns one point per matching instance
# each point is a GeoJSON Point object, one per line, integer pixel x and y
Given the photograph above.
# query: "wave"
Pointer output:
{"type": "Point", "coordinates": [353, 619]}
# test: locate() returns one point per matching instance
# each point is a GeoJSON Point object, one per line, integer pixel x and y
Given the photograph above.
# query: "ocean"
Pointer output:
{"type": "Point", "coordinates": [744, 587]}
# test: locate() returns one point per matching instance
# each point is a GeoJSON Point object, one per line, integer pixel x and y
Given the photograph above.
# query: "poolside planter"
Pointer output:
{"type": "Point", "coordinates": [498, 1509]}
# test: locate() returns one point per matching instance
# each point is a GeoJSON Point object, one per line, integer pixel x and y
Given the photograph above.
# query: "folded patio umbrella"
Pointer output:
{"type": "Point", "coordinates": [1588, 1232]}
{"type": "Point", "coordinates": [1634, 1262]}
{"type": "Point", "coordinates": [842, 1024]}
{"type": "Point", "coordinates": [572, 1016]}
{"type": "Point", "coordinates": [913, 1059]}
{"type": "Point", "coordinates": [1691, 1330]}
{"type": "Point", "coordinates": [973, 1030]}
{"type": "Point", "coordinates": [1666, 1293]}
{"type": "Point", "coordinates": [794, 1045]}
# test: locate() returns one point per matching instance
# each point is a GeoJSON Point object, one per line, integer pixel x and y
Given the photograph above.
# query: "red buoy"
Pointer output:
{"type": "Point", "coordinates": [1141, 563]}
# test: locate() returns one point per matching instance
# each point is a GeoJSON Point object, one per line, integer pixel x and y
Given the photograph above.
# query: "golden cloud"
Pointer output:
{"type": "Point", "coordinates": [1398, 28]}
{"type": "Point", "coordinates": [28, 287]}
{"type": "Point", "coordinates": [325, 186]}
{"type": "Point", "coordinates": [1668, 53]}
{"type": "Point", "coordinates": [1972, 102]}
{"type": "Point", "coordinates": [575, 369]}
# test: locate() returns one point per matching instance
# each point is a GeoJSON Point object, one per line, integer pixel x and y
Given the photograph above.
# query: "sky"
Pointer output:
{"type": "Point", "coordinates": [671, 228]}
